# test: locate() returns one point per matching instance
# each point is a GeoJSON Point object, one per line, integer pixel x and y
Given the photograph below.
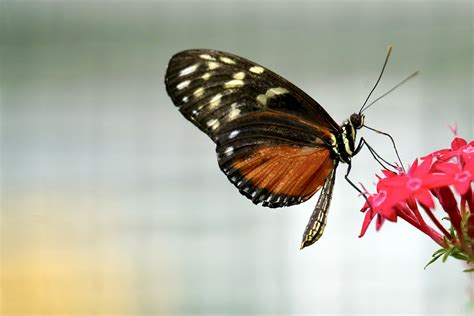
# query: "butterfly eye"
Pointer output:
{"type": "Point", "coordinates": [357, 120]}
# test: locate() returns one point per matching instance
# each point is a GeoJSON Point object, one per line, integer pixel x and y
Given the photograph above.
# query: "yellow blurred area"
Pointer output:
{"type": "Point", "coordinates": [59, 258]}
{"type": "Point", "coordinates": [63, 284]}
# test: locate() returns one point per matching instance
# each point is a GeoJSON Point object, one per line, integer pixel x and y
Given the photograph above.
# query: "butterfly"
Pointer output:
{"type": "Point", "coordinates": [275, 143]}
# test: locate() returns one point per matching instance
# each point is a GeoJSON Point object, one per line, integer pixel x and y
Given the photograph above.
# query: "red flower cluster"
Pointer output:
{"type": "Point", "coordinates": [431, 178]}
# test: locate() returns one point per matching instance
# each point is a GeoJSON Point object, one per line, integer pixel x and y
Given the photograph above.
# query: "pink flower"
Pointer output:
{"type": "Point", "coordinates": [401, 195]}
{"type": "Point", "coordinates": [459, 149]}
{"type": "Point", "coordinates": [459, 176]}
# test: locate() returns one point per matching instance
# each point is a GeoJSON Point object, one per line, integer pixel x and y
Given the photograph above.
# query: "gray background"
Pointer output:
{"type": "Point", "coordinates": [113, 204]}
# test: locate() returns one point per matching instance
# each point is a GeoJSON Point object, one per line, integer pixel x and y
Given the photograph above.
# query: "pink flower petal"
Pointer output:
{"type": "Point", "coordinates": [388, 173]}
{"type": "Point", "coordinates": [365, 224]}
{"type": "Point", "coordinates": [437, 153]}
{"type": "Point", "coordinates": [458, 142]}
{"type": "Point", "coordinates": [437, 180]}
{"type": "Point", "coordinates": [424, 197]}
{"type": "Point", "coordinates": [390, 214]}
{"type": "Point", "coordinates": [379, 222]}
{"type": "Point", "coordinates": [413, 167]}
{"type": "Point", "coordinates": [469, 166]}
{"type": "Point", "coordinates": [447, 167]}
{"type": "Point", "coordinates": [395, 181]}
{"type": "Point", "coordinates": [423, 168]}
{"type": "Point", "coordinates": [462, 185]}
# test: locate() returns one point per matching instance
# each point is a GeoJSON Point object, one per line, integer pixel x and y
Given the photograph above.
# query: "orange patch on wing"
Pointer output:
{"type": "Point", "coordinates": [286, 170]}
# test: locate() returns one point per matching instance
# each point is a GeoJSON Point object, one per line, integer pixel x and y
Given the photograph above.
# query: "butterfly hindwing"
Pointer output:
{"type": "Point", "coordinates": [273, 140]}
{"type": "Point", "coordinates": [273, 158]}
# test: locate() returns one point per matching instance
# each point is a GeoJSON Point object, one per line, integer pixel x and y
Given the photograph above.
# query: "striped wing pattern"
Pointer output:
{"type": "Point", "coordinates": [273, 158]}
{"type": "Point", "coordinates": [273, 140]}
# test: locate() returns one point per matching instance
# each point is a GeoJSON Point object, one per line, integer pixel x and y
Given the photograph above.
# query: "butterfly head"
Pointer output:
{"type": "Point", "coordinates": [357, 120]}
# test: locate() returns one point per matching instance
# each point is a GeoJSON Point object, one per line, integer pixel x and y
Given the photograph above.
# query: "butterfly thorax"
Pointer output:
{"type": "Point", "coordinates": [343, 147]}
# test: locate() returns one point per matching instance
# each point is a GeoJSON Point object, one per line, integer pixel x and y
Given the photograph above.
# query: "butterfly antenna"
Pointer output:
{"type": "Point", "coordinates": [396, 86]}
{"type": "Point", "coordinates": [378, 80]}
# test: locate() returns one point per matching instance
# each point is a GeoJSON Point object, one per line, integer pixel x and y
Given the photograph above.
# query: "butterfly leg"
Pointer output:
{"type": "Point", "coordinates": [349, 166]}
{"type": "Point", "coordinates": [374, 154]}
{"type": "Point", "coordinates": [393, 143]}
{"type": "Point", "coordinates": [356, 187]}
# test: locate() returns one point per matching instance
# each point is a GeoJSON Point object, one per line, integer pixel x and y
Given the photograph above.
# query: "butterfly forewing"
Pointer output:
{"type": "Point", "coordinates": [273, 141]}
{"type": "Point", "coordinates": [212, 88]}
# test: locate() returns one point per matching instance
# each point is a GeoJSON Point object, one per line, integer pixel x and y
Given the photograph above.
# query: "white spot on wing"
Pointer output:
{"type": "Point", "coordinates": [256, 69]}
{"type": "Point", "coordinates": [213, 124]}
{"type": "Point", "coordinates": [275, 91]}
{"type": "Point", "coordinates": [207, 57]}
{"type": "Point", "coordinates": [239, 75]}
{"type": "Point", "coordinates": [234, 134]}
{"type": "Point", "coordinates": [199, 108]}
{"type": "Point", "coordinates": [213, 65]}
{"type": "Point", "coordinates": [233, 83]}
{"type": "Point", "coordinates": [198, 92]}
{"type": "Point", "coordinates": [262, 99]}
{"type": "Point", "coordinates": [206, 76]}
{"type": "Point", "coordinates": [229, 151]}
{"type": "Point", "coordinates": [215, 101]}
{"type": "Point", "coordinates": [183, 84]}
{"type": "Point", "coordinates": [227, 60]}
{"type": "Point", "coordinates": [185, 99]}
{"type": "Point", "coordinates": [271, 93]}
{"type": "Point", "coordinates": [234, 112]}
{"type": "Point", "coordinates": [188, 70]}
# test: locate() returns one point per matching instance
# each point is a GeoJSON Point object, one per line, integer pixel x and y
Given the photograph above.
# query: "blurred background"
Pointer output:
{"type": "Point", "coordinates": [113, 204]}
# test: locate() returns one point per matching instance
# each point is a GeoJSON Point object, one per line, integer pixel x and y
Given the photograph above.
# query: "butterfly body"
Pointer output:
{"type": "Point", "coordinates": [276, 144]}
{"type": "Point", "coordinates": [344, 145]}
